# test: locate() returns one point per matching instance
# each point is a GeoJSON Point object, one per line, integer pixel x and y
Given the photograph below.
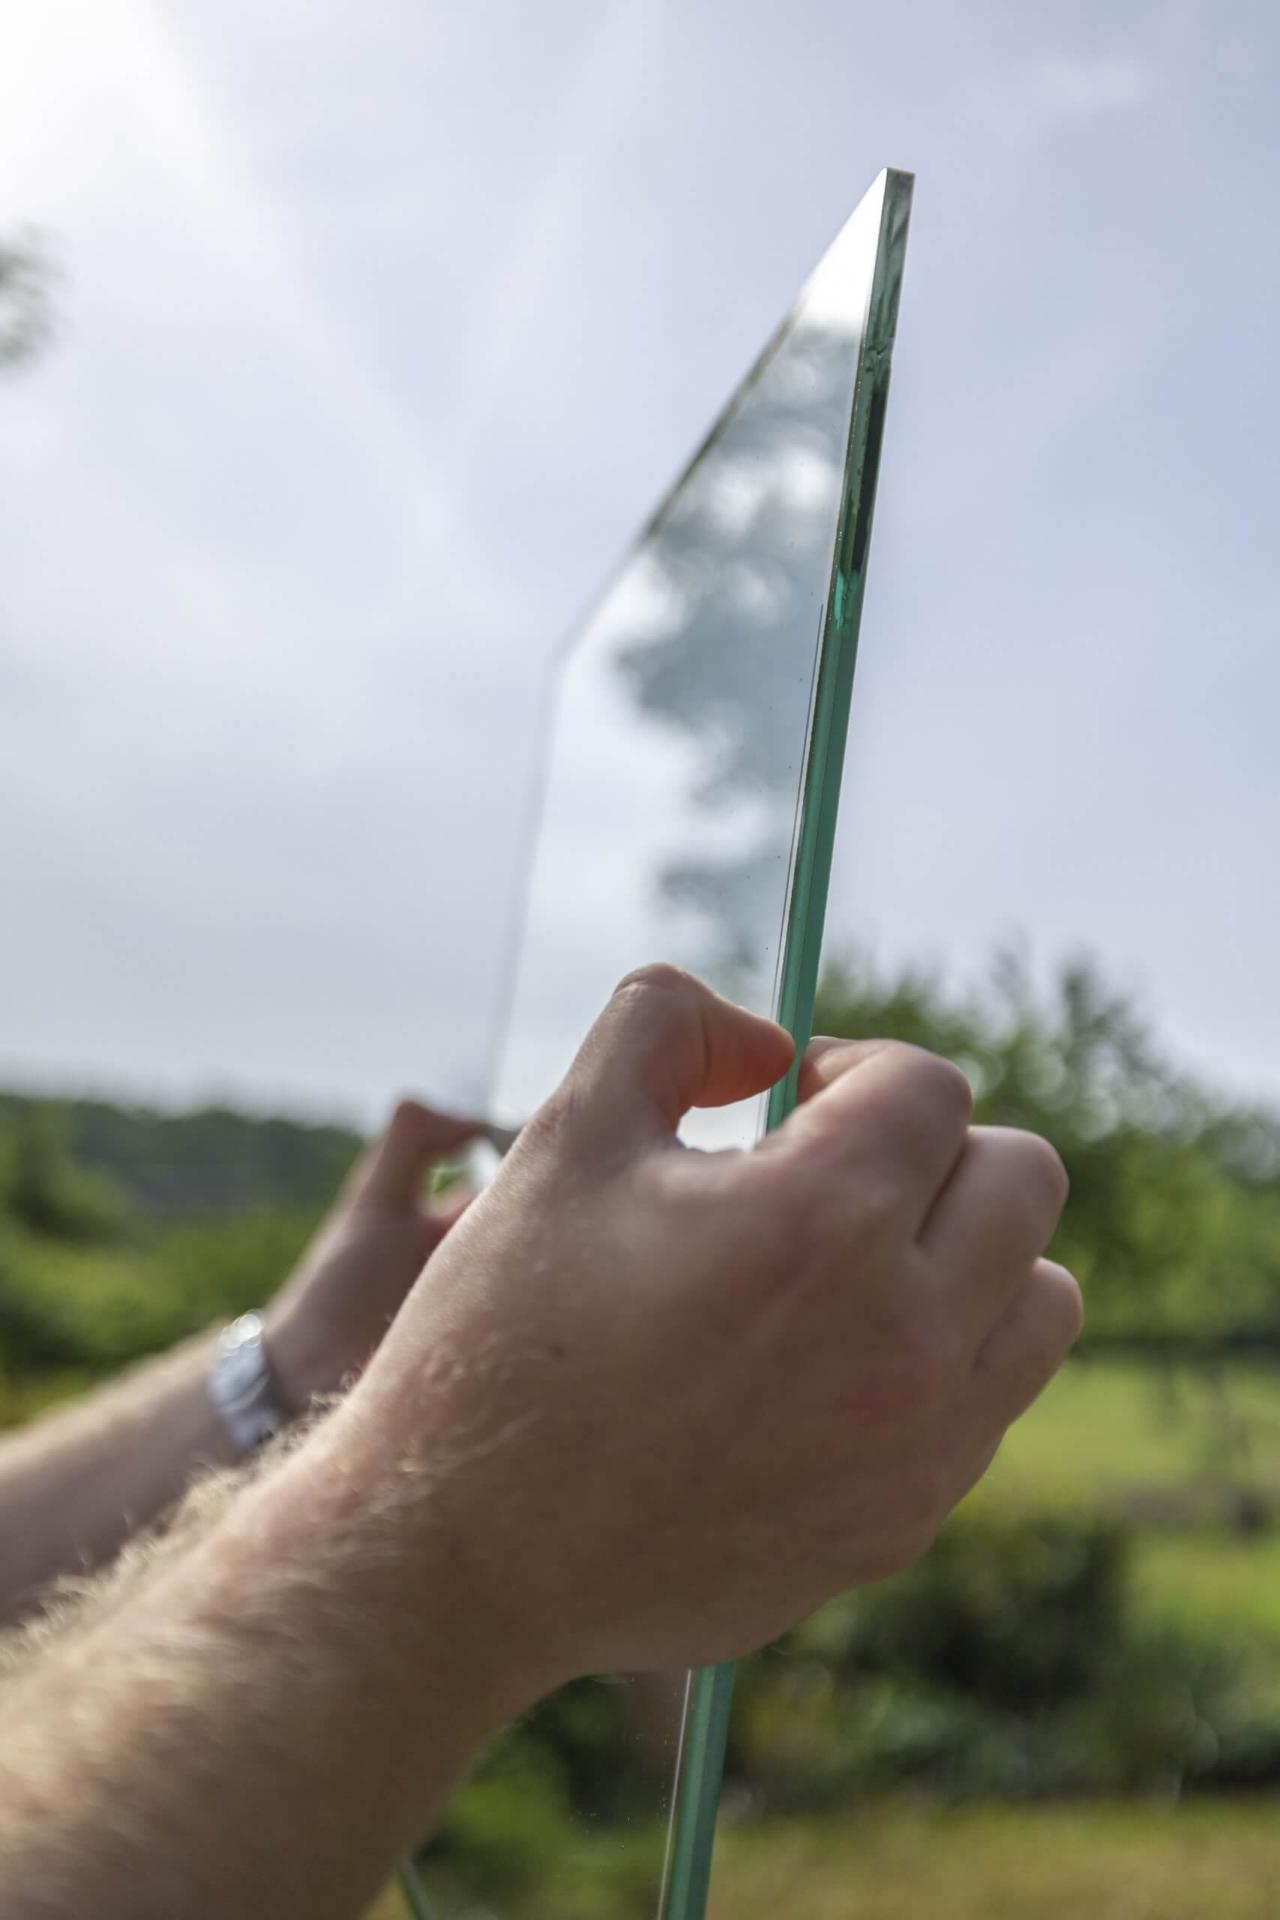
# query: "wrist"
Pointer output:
{"type": "Point", "coordinates": [243, 1386]}
{"type": "Point", "coordinates": [434, 1493]}
{"type": "Point", "coordinates": [312, 1353]}
{"type": "Point", "coordinates": [418, 1519]}
{"type": "Point", "coordinates": [297, 1354]}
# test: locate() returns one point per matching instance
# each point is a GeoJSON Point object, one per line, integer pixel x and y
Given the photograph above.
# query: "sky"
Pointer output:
{"type": "Point", "coordinates": [380, 331]}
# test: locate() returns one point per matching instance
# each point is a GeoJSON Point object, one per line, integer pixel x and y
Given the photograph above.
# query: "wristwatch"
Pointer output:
{"type": "Point", "coordinates": [242, 1387]}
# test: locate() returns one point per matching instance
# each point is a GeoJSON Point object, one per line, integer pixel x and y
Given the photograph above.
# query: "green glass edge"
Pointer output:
{"type": "Point", "coordinates": [700, 1767]}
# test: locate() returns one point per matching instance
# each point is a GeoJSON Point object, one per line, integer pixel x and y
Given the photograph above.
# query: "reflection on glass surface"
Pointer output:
{"type": "Point", "coordinates": [669, 830]}
{"type": "Point", "coordinates": [676, 761]}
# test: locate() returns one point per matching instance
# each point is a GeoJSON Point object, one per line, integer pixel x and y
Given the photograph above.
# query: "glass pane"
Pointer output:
{"type": "Point", "coordinates": [676, 759]}
{"type": "Point", "coordinates": [691, 779]}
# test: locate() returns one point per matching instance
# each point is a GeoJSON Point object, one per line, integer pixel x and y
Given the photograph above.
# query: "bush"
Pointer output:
{"type": "Point", "coordinates": [44, 1192]}
{"type": "Point", "coordinates": [1005, 1663]}
{"type": "Point", "coordinates": [94, 1309]}
{"type": "Point", "coordinates": [1021, 1615]}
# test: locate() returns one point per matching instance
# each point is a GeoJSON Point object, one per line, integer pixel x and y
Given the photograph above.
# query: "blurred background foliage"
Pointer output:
{"type": "Point", "coordinates": [1102, 1618]}
{"type": "Point", "coordinates": [28, 275]}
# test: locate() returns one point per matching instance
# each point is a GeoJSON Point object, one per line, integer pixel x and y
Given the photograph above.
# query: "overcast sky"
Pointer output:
{"type": "Point", "coordinates": [382, 327]}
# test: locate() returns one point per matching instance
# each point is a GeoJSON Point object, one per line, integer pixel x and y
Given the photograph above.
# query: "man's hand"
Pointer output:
{"type": "Point", "coordinates": [689, 1396]}
{"type": "Point", "coordinates": [328, 1318]}
{"type": "Point", "coordinates": [647, 1407]}
{"type": "Point", "coordinates": [74, 1486]}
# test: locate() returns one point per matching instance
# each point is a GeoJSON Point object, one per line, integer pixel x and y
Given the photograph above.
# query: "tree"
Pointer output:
{"type": "Point", "coordinates": [27, 275]}
{"type": "Point", "coordinates": [1173, 1224]}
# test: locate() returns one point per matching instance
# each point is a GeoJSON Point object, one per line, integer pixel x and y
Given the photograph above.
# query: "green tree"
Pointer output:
{"type": "Point", "coordinates": [1173, 1224]}
{"type": "Point", "coordinates": [26, 304]}
{"type": "Point", "coordinates": [44, 1191]}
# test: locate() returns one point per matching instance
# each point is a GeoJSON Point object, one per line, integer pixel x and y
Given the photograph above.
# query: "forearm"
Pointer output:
{"type": "Point", "coordinates": [266, 1723]}
{"type": "Point", "coordinates": [74, 1486]}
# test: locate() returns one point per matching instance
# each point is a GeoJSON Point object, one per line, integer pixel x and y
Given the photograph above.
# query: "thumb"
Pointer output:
{"type": "Point", "coordinates": [666, 1043]}
{"type": "Point", "coordinates": [391, 1172]}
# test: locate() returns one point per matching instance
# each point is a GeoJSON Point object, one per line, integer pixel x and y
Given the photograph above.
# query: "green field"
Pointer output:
{"type": "Point", "coordinates": [1148, 1445]}
{"type": "Point", "coordinates": [1180, 1456]}
{"type": "Point", "coordinates": [1094, 1861]}
{"type": "Point", "coordinates": [1115, 1430]}
{"type": "Point", "coordinates": [1053, 1715]}
{"type": "Point", "coordinates": [1102, 1862]}
{"type": "Point", "coordinates": [1113, 1436]}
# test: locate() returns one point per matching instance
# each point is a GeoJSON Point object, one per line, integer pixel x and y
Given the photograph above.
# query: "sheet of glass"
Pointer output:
{"type": "Point", "coordinates": [689, 802]}
{"type": "Point", "coordinates": [677, 754]}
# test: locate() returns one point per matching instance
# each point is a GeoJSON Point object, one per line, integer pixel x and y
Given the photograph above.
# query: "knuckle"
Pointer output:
{"type": "Point", "coordinates": [932, 1086]}
{"type": "Point", "coordinates": [825, 1220]}
{"type": "Point", "coordinates": [875, 1207]}
{"type": "Point", "coordinates": [950, 1090]}
{"type": "Point", "coordinates": [1044, 1173]}
{"type": "Point", "coordinates": [938, 1080]}
{"type": "Point", "coordinates": [1045, 1329]}
{"type": "Point", "coordinates": [655, 976]}
{"type": "Point", "coordinates": [1068, 1306]}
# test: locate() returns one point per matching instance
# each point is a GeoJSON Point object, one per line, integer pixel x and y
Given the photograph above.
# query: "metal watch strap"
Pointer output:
{"type": "Point", "coordinates": [242, 1387]}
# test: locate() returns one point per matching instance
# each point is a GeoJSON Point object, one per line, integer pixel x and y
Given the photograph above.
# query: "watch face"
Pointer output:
{"type": "Point", "coordinates": [236, 1375]}
{"type": "Point", "coordinates": [244, 1332]}
{"type": "Point", "coordinates": [241, 1365]}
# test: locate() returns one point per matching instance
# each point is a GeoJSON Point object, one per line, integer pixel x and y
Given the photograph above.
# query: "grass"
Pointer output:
{"type": "Point", "coordinates": [1109, 1862]}
{"type": "Point", "coordinates": [1225, 1587]}
{"type": "Point", "coordinates": [1106, 1860]}
{"type": "Point", "coordinates": [1108, 1434]}
{"type": "Point", "coordinates": [1148, 1443]}
{"type": "Point", "coordinates": [1109, 1430]}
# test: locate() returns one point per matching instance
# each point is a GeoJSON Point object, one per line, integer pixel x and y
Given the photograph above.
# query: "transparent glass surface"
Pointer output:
{"type": "Point", "coordinates": [688, 807]}
{"type": "Point", "coordinates": [677, 755]}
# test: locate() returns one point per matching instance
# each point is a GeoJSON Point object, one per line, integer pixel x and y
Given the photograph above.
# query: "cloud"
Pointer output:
{"type": "Point", "coordinates": [385, 326]}
{"type": "Point", "coordinates": [251, 645]}
{"type": "Point", "coordinates": [523, 294]}
{"type": "Point", "coordinates": [1072, 87]}
{"type": "Point", "coordinates": [1052, 93]}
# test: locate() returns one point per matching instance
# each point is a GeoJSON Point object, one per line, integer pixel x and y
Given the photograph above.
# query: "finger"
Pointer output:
{"type": "Point", "coordinates": [996, 1215]}
{"type": "Point", "coordinates": [880, 1103]}
{"type": "Point", "coordinates": [826, 1058]}
{"type": "Point", "coordinates": [391, 1172]}
{"type": "Point", "coordinates": [1026, 1346]}
{"type": "Point", "coordinates": [666, 1043]}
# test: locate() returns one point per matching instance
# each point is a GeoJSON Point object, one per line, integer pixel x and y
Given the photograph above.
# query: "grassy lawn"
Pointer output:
{"type": "Point", "coordinates": [1113, 1434]}
{"type": "Point", "coordinates": [1109, 1430]}
{"type": "Point", "coordinates": [1093, 1861]}
{"type": "Point", "coordinates": [1129, 1438]}
{"type": "Point", "coordinates": [1088, 1862]}
{"type": "Point", "coordinates": [1109, 1434]}
{"type": "Point", "coordinates": [1227, 1588]}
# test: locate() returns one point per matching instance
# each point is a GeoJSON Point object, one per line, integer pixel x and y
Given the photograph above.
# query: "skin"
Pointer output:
{"type": "Point", "coordinates": [647, 1409]}
{"type": "Point", "coordinates": [76, 1485]}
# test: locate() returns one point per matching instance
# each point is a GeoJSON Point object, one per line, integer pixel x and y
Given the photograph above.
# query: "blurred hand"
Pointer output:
{"type": "Point", "coordinates": [686, 1397]}
{"type": "Point", "coordinates": [332, 1312]}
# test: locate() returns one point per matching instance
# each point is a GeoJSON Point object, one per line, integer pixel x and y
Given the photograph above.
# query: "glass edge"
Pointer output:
{"type": "Point", "coordinates": [578, 629]}
{"type": "Point", "coordinates": [516, 919]}
{"type": "Point", "coordinates": [700, 1764]}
